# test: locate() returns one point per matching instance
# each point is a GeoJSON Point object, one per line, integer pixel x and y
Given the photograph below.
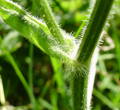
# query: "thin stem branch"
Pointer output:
{"type": "Point", "coordinates": [80, 29]}
{"type": "Point", "coordinates": [30, 68]}
{"type": "Point", "coordinates": [50, 20]}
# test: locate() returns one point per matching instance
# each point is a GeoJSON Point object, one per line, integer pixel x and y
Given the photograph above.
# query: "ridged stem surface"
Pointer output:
{"type": "Point", "coordinates": [79, 92]}
{"type": "Point", "coordinates": [94, 28]}
{"type": "Point", "coordinates": [87, 47]}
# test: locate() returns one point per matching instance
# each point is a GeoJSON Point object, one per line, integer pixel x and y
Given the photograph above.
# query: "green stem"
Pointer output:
{"type": "Point", "coordinates": [94, 28]}
{"type": "Point", "coordinates": [22, 79]}
{"type": "Point", "coordinates": [79, 93]}
{"type": "Point", "coordinates": [80, 29]}
{"type": "Point", "coordinates": [58, 75]}
{"type": "Point", "coordinates": [86, 50]}
{"type": "Point", "coordinates": [30, 69]}
{"type": "Point", "coordinates": [50, 20]}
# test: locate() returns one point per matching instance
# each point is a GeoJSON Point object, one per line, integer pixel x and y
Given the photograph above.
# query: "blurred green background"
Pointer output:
{"type": "Point", "coordinates": [50, 89]}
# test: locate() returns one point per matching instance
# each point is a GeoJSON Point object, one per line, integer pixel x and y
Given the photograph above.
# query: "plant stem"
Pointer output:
{"type": "Point", "coordinates": [79, 92]}
{"type": "Point", "coordinates": [58, 75]}
{"type": "Point", "coordinates": [94, 28]}
{"type": "Point", "coordinates": [80, 29]}
{"type": "Point", "coordinates": [50, 20]}
{"type": "Point", "coordinates": [86, 50]}
{"type": "Point", "coordinates": [30, 68]}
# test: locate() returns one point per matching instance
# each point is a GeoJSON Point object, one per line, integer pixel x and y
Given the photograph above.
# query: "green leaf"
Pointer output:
{"type": "Point", "coordinates": [31, 28]}
{"type": "Point", "coordinates": [35, 30]}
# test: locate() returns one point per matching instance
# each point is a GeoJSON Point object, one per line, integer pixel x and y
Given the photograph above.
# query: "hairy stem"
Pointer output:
{"type": "Point", "coordinates": [94, 28]}
{"type": "Point", "coordinates": [79, 92]}
{"type": "Point", "coordinates": [50, 20]}
{"type": "Point", "coordinates": [86, 50]}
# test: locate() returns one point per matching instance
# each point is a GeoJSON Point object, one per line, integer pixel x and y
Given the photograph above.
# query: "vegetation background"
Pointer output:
{"type": "Point", "coordinates": [50, 89]}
